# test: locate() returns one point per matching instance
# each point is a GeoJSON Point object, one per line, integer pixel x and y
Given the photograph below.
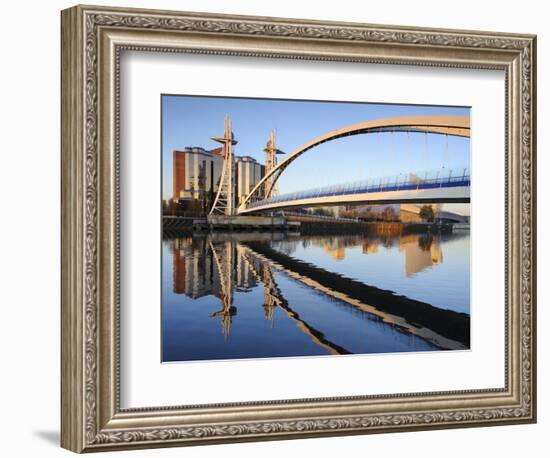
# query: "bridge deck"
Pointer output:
{"type": "Point", "coordinates": [449, 189]}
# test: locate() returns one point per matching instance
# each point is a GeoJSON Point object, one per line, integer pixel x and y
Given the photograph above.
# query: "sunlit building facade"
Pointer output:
{"type": "Point", "coordinates": [197, 173]}
{"type": "Point", "coordinates": [248, 173]}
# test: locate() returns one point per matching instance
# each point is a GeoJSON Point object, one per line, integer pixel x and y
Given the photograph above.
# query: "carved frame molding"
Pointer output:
{"type": "Point", "coordinates": [92, 39]}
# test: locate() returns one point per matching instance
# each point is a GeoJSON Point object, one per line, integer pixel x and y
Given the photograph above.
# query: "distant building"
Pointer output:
{"type": "Point", "coordinates": [248, 173]}
{"type": "Point", "coordinates": [197, 173]}
{"type": "Point", "coordinates": [410, 213]}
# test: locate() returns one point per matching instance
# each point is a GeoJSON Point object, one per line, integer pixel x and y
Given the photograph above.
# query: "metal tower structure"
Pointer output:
{"type": "Point", "coordinates": [264, 275]}
{"type": "Point", "coordinates": [223, 259]}
{"type": "Point", "coordinates": [224, 203]}
{"type": "Point", "coordinates": [271, 152]}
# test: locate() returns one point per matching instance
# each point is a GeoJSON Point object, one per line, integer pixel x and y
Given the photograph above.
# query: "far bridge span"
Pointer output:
{"type": "Point", "coordinates": [453, 188]}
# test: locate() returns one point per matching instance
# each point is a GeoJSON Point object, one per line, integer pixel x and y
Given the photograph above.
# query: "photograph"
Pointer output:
{"type": "Point", "coordinates": [302, 228]}
{"type": "Point", "coordinates": [281, 223]}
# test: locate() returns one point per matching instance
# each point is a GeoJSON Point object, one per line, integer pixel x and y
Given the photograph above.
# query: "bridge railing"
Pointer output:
{"type": "Point", "coordinates": [426, 180]}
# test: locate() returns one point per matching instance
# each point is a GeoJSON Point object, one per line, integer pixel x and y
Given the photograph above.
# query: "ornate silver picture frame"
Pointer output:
{"type": "Point", "coordinates": [93, 39]}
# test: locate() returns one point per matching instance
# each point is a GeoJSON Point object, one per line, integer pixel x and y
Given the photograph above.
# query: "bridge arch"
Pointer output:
{"type": "Point", "coordinates": [458, 126]}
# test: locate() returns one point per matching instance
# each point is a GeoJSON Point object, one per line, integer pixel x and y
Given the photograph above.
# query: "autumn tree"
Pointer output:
{"type": "Point", "coordinates": [427, 213]}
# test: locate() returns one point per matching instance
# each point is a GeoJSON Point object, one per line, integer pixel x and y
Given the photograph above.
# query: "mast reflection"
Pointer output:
{"type": "Point", "coordinates": [222, 264]}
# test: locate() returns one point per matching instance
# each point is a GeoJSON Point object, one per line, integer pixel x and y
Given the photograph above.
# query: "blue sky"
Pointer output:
{"type": "Point", "coordinates": [192, 120]}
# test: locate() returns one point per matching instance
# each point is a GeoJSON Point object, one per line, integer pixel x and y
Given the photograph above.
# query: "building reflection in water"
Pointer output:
{"type": "Point", "coordinates": [222, 264]}
{"type": "Point", "coordinates": [422, 251]}
{"type": "Point", "coordinates": [202, 267]}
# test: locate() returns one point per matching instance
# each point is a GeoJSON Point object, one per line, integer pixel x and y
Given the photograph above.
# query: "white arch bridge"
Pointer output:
{"type": "Point", "coordinates": [451, 187]}
{"type": "Point", "coordinates": [446, 187]}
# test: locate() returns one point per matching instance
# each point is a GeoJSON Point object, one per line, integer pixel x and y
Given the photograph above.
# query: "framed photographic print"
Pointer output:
{"type": "Point", "coordinates": [278, 228]}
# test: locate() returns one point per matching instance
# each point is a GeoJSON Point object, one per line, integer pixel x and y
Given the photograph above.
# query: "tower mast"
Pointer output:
{"type": "Point", "coordinates": [224, 202]}
{"type": "Point", "coordinates": [271, 152]}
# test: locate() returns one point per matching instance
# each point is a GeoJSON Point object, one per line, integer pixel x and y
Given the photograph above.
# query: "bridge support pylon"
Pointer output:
{"type": "Point", "coordinates": [271, 152]}
{"type": "Point", "coordinates": [224, 203]}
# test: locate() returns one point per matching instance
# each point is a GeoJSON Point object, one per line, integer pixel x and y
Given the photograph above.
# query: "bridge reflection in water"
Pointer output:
{"type": "Point", "coordinates": [227, 278]}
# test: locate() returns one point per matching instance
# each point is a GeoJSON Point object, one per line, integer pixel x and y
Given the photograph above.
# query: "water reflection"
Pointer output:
{"type": "Point", "coordinates": [301, 283]}
{"type": "Point", "coordinates": [421, 251]}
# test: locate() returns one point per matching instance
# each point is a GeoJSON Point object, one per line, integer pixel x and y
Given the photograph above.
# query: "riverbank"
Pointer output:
{"type": "Point", "coordinates": [307, 225]}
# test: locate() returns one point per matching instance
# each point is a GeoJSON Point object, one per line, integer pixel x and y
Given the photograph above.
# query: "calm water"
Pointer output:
{"type": "Point", "coordinates": [271, 295]}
